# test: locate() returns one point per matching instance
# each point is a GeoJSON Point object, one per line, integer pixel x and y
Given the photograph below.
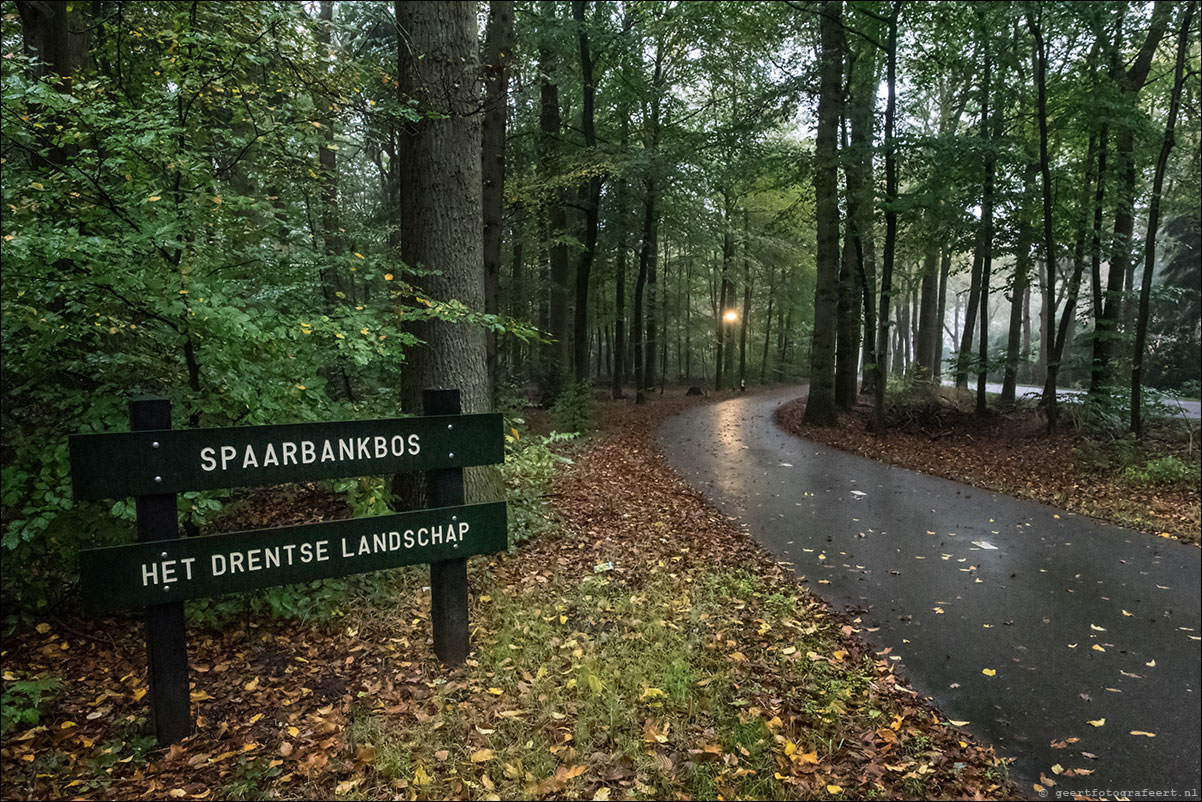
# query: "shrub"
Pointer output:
{"type": "Point", "coordinates": [1162, 471]}
{"type": "Point", "coordinates": [573, 408]}
{"type": "Point", "coordinates": [528, 470]}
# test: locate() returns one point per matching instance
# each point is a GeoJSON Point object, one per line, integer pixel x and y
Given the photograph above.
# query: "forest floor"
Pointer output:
{"type": "Point", "coordinates": [1150, 485]}
{"type": "Point", "coordinates": [645, 648]}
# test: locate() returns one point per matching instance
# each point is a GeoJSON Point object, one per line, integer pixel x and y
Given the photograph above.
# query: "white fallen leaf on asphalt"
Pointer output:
{"type": "Point", "coordinates": [786, 465]}
{"type": "Point", "coordinates": [858, 493]}
{"type": "Point", "coordinates": [985, 544]}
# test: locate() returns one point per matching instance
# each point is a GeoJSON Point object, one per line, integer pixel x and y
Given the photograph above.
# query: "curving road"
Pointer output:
{"type": "Point", "coordinates": [1075, 620]}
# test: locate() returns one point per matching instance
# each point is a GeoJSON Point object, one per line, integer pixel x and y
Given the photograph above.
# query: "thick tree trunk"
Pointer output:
{"type": "Point", "coordinates": [498, 47]}
{"type": "Point", "coordinates": [441, 196]}
{"type": "Point", "coordinates": [820, 408]}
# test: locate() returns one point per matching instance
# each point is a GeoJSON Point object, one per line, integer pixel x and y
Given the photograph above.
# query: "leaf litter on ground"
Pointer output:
{"type": "Point", "coordinates": [694, 666]}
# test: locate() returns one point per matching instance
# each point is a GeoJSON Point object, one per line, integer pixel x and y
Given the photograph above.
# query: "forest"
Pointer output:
{"type": "Point", "coordinates": [288, 212]}
{"type": "Point", "coordinates": [215, 203]}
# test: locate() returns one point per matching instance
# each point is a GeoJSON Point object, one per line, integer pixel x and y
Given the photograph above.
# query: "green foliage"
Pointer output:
{"type": "Point", "coordinates": [1157, 472]}
{"type": "Point", "coordinates": [24, 701]}
{"type": "Point", "coordinates": [573, 408]}
{"type": "Point", "coordinates": [529, 468]}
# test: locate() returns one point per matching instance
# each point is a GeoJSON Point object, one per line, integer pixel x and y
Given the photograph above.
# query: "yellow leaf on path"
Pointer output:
{"type": "Point", "coordinates": [255, 717]}
{"type": "Point", "coordinates": [178, 793]}
{"type": "Point", "coordinates": [43, 628]}
{"type": "Point", "coordinates": [482, 755]}
{"type": "Point", "coordinates": [496, 691]}
{"type": "Point", "coordinates": [810, 757]}
{"type": "Point", "coordinates": [957, 723]}
{"type": "Point", "coordinates": [1151, 664]}
{"type": "Point", "coordinates": [388, 277]}
{"type": "Point", "coordinates": [139, 693]}
{"type": "Point", "coordinates": [738, 657]}
{"type": "Point", "coordinates": [788, 650]}
{"type": "Point", "coordinates": [1145, 734]}
{"type": "Point", "coordinates": [293, 731]}
{"type": "Point", "coordinates": [834, 789]}
{"type": "Point", "coordinates": [1097, 722]}
{"type": "Point", "coordinates": [989, 672]}
{"type": "Point", "coordinates": [1097, 648]}
{"type": "Point", "coordinates": [1057, 768]}
{"type": "Point", "coordinates": [602, 794]}
{"type": "Point", "coordinates": [252, 685]}
{"type": "Point", "coordinates": [1097, 628]}
{"type": "Point", "coordinates": [1127, 614]}
{"type": "Point", "coordinates": [420, 777]}
{"type": "Point", "coordinates": [840, 654]}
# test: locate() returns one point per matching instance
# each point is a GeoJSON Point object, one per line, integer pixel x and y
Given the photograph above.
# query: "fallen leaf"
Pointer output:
{"type": "Point", "coordinates": [1097, 722]}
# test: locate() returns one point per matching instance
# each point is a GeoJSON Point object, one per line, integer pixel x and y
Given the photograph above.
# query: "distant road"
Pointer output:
{"type": "Point", "coordinates": [1190, 410]}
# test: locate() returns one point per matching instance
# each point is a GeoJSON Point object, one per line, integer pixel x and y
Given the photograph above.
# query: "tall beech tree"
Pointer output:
{"type": "Point", "coordinates": [820, 408]}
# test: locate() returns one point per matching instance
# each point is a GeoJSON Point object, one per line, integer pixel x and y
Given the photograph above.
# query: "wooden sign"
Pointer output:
{"type": "Point", "coordinates": [141, 574]}
{"type": "Point", "coordinates": [139, 463]}
{"type": "Point", "coordinates": [153, 462]}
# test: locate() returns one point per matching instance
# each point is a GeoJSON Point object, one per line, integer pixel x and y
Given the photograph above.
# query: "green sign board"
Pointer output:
{"type": "Point", "coordinates": [152, 462]}
{"type": "Point", "coordinates": [155, 572]}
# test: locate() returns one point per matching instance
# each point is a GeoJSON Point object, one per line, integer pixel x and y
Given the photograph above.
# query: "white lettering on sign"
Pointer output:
{"type": "Point", "coordinates": [265, 558]}
{"type": "Point", "coordinates": [307, 452]}
{"type": "Point", "coordinates": [164, 572]}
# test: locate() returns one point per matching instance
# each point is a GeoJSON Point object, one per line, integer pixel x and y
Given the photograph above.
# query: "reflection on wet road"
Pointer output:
{"type": "Point", "coordinates": [1024, 620]}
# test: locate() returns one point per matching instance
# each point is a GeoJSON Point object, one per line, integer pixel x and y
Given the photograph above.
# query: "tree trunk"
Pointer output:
{"type": "Point", "coordinates": [1145, 290]}
{"type": "Point", "coordinates": [591, 192]}
{"type": "Point", "coordinates": [882, 340]}
{"type": "Point", "coordinates": [746, 301]}
{"type": "Point", "coordinates": [945, 267]}
{"type": "Point", "coordinates": [549, 124]}
{"type": "Point", "coordinates": [1129, 81]}
{"type": "Point", "coordinates": [58, 34]}
{"type": "Point", "coordinates": [441, 197]}
{"type": "Point", "coordinates": [928, 325]}
{"type": "Point", "coordinates": [498, 47]}
{"type": "Point", "coordinates": [620, 214]}
{"type": "Point", "coordinates": [1018, 298]}
{"type": "Point", "coordinates": [820, 408]}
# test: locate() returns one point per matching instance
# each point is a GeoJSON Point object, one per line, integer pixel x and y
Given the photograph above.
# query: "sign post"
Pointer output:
{"type": "Point", "coordinates": [152, 462]}
{"type": "Point", "coordinates": [166, 635]}
{"type": "Point", "coordinates": [448, 578]}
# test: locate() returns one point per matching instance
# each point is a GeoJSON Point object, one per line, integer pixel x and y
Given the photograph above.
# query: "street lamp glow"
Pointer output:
{"type": "Point", "coordinates": [731, 316]}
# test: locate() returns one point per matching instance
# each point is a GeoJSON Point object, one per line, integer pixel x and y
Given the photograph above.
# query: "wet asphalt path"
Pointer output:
{"type": "Point", "coordinates": [1080, 620]}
